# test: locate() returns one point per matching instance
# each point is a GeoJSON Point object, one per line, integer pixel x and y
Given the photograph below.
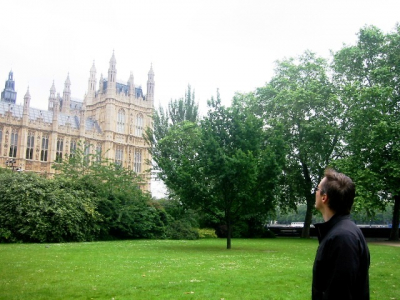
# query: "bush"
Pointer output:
{"type": "Point", "coordinates": [33, 209]}
{"type": "Point", "coordinates": [179, 230]}
{"type": "Point", "coordinates": [206, 233]}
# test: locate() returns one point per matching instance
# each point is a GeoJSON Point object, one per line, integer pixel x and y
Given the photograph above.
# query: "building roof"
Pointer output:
{"type": "Point", "coordinates": [47, 116]}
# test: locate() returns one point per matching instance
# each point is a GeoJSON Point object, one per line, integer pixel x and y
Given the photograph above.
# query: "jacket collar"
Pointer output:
{"type": "Point", "coordinates": [324, 228]}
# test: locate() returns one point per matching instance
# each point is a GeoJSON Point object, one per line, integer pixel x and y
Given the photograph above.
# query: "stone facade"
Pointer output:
{"type": "Point", "coordinates": [110, 120]}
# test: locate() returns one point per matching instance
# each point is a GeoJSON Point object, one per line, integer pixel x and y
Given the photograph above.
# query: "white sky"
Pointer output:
{"type": "Point", "coordinates": [230, 45]}
{"type": "Point", "coordinates": [227, 44]}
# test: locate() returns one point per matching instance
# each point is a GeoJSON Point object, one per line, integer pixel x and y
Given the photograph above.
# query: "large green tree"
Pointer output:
{"type": "Point", "coordinates": [368, 75]}
{"type": "Point", "coordinates": [225, 166]}
{"type": "Point", "coordinates": [184, 109]}
{"type": "Point", "coordinates": [178, 111]}
{"type": "Point", "coordinates": [301, 99]}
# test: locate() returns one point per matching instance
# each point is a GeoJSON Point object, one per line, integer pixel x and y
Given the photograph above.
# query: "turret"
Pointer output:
{"type": "Point", "coordinates": [112, 76]}
{"type": "Point", "coordinates": [52, 98]}
{"type": "Point", "coordinates": [82, 124]}
{"type": "Point", "coordinates": [27, 102]}
{"type": "Point", "coordinates": [131, 85]}
{"type": "Point", "coordinates": [27, 98]}
{"type": "Point", "coordinates": [91, 85]}
{"type": "Point", "coordinates": [56, 111]}
{"type": "Point", "coordinates": [150, 85]}
{"type": "Point", "coordinates": [101, 82]}
{"type": "Point", "coordinates": [9, 94]}
{"type": "Point", "coordinates": [66, 96]}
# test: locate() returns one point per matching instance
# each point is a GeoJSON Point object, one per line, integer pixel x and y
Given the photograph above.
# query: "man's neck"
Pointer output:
{"type": "Point", "coordinates": [328, 214]}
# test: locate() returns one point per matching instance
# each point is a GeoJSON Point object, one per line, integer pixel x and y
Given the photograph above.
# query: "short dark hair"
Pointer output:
{"type": "Point", "coordinates": [340, 190]}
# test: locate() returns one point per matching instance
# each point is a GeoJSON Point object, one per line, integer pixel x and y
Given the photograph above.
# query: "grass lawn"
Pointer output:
{"type": "Point", "coordinates": [203, 269]}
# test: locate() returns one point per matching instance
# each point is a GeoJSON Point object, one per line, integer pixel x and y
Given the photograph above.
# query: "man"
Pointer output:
{"type": "Point", "coordinates": [342, 261]}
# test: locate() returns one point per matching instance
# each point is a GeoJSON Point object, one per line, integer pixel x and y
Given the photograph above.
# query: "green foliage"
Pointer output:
{"type": "Point", "coordinates": [181, 230]}
{"type": "Point", "coordinates": [224, 166]}
{"type": "Point", "coordinates": [37, 210]}
{"type": "Point", "coordinates": [181, 220]}
{"type": "Point", "coordinates": [179, 110]}
{"type": "Point", "coordinates": [184, 109]}
{"type": "Point", "coordinates": [127, 211]}
{"type": "Point", "coordinates": [300, 102]}
{"type": "Point", "coordinates": [207, 233]}
{"type": "Point", "coordinates": [367, 75]}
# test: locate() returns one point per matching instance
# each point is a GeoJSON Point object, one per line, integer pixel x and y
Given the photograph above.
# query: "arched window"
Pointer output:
{"type": "Point", "coordinates": [137, 165]}
{"type": "Point", "coordinates": [13, 144]}
{"type": "Point", "coordinates": [86, 152]}
{"type": "Point", "coordinates": [98, 152]}
{"type": "Point", "coordinates": [121, 121]}
{"type": "Point", "coordinates": [119, 155]}
{"type": "Point", "coordinates": [139, 125]}
{"type": "Point", "coordinates": [29, 145]}
{"type": "Point", "coordinates": [1, 139]}
{"type": "Point", "coordinates": [60, 148]}
{"type": "Point", "coordinates": [45, 148]}
{"type": "Point", "coordinates": [72, 148]}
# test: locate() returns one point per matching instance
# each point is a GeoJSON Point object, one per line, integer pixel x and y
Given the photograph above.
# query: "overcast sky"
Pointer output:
{"type": "Point", "coordinates": [230, 45]}
{"type": "Point", "coordinates": [209, 44]}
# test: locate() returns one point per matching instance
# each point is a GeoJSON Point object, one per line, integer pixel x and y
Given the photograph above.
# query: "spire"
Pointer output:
{"type": "Point", "coordinates": [101, 83]}
{"type": "Point", "coordinates": [113, 60]}
{"type": "Point", "coordinates": [131, 85]}
{"type": "Point", "coordinates": [27, 94]}
{"type": "Point", "coordinates": [67, 85]}
{"type": "Point", "coordinates": [25, 111]}
{"type": "Point", "coordinates": [52, 98]}
{"type": "Point", "coordinates": [151, 72]}
{"type": "Point", "coordinates": [53, 90]}
{"type": "Point", "coordinates": [93, 69]}
{"type": "Point", "coordinates": [66, 103]}
{"type": "Point", "coordinates": [9, 94]}
{"type": "Point", "coordinates": [91, 85]}
{"type": "Point", "coordinates": [150, 85]}
{"type": "Point", "coordinates": [112, 75]}
{"type": "Point", "coordinates": [27, 98]}
{"type": "Point", "coordinates": [56, 111]}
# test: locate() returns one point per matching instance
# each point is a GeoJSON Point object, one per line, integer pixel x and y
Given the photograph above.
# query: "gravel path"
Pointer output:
{"type": "Point", "coordinates": [384, 242]}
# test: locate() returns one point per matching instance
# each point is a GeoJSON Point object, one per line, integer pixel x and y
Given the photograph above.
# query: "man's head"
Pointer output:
{"type": "Point", "coordinates": [337, 191]}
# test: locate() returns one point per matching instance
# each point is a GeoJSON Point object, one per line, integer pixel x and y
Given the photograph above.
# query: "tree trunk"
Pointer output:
{"type": "Point", "coordinates": [305, 233]}
{"type": "Point", "coordinates": [229, 235]}
{"type": "Point", "coordinates": [394, 233]}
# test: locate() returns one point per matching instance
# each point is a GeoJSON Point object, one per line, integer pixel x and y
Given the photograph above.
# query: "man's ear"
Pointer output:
{"type": "Point", "coordinates": [325, 199]}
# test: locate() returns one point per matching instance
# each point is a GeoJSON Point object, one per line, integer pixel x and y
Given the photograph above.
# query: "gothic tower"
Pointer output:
{"type": "Point", "coordinates": [27, 102]}
{"type": "Point", "coordinates": [131, 85]}
{"type": "Point", "coordinates": [150, 85]}
{"type": "Point", "coordinates": [52, 97]}
{"type": "Point", "coordinates": [91, 93]}
{"type": "Point", "coordinates": [66, 103]}
{"type": "Point", "coordinates": [112, 77]}
{"type": "Point", "coordinates": [9, 94]}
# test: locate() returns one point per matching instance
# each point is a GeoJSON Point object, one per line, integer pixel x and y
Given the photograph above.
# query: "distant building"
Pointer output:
{"type": "Point", "coordinates": [9, 94]}
{"type": "Point", "coordinates": [110, 120]}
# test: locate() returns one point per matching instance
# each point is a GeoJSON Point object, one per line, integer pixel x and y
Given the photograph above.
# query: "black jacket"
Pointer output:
{"type": "Point", "coordinates": [341, 265]}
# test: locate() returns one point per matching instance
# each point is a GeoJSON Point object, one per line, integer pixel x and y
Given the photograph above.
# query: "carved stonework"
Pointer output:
{"type": "Point", "coordinates": [102, 106]}
{"type": "Point", "coordinates": [28, 165]}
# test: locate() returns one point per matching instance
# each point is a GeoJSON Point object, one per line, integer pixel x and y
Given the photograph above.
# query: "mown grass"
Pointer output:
{"type": "Point", "coordinates": [203, 269]}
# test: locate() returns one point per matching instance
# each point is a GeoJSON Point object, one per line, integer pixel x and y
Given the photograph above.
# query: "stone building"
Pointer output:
{"type": "Point", "coordinates": [110, 120]}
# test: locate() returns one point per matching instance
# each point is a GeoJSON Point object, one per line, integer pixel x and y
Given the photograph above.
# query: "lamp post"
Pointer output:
{"type": "Point", "coordinates": [10, 164]}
